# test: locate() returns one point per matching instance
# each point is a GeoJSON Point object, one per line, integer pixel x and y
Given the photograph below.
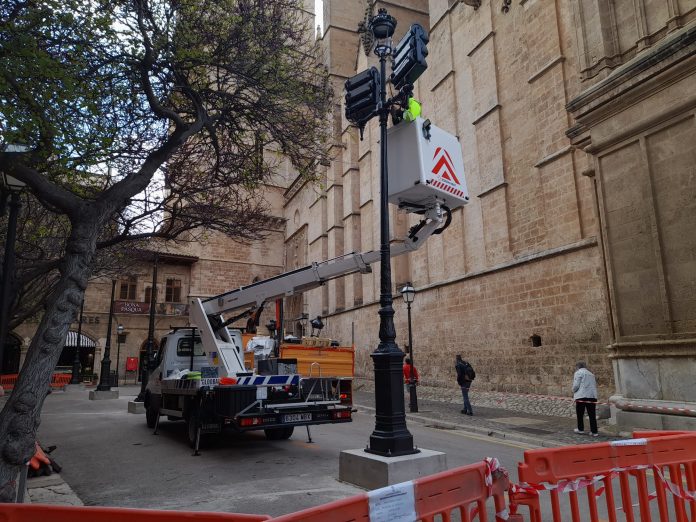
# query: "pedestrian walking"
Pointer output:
{"type": "Point", "coordinates": [585, 395]}
{"type": "Point", "coordinates": [465, 376]}
{"type": "Point", "coordinates": [410, 372]}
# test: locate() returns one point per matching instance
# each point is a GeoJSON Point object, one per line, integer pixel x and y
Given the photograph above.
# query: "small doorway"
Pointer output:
{"type": "Point", "coordinates": [67, 356]}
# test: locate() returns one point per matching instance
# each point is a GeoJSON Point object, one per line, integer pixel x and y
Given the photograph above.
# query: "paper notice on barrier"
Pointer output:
{"type": "Point", "coordinates": [393, 504]}
{"type": "Point", "coordinates": [630, 442]}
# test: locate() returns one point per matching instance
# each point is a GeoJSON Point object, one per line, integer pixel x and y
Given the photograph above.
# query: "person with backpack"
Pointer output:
{"type": "Point", "coordinates": [465, 376]}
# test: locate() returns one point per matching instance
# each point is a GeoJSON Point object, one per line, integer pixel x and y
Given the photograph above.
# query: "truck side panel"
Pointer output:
{"type": "Point", "coordinates": [334, 361]}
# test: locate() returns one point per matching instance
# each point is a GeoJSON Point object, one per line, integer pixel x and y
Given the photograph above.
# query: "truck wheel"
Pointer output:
{"type": "Point", "coordinates": [279, 433]}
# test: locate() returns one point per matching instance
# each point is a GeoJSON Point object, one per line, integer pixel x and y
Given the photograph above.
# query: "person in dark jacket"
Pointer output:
{"type": "Point", "coordinates": [464, 379]}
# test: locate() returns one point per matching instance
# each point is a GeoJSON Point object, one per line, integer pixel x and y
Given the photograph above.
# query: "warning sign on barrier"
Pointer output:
{"type": "Point", "coordinates": [393, 503]}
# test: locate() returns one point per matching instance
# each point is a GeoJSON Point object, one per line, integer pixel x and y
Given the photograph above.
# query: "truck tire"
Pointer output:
{"type": "Point", "coordinates": [279, 433]}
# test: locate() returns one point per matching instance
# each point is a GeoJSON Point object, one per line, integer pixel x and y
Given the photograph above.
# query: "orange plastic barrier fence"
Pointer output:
{"type": "Point", "coordinates": [59, 380]}
{"type": "Point", "coordinates": [8, 381]}
{"type": "Point", "coordinates": [34, 512]}
{"type": "Point", "coordinates": [464, 491]}
{"type": "Point", "coordinates": [669, 460]}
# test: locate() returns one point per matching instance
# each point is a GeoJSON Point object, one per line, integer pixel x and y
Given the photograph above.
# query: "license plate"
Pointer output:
{"type": "Point", "coordinates": [297, 417]}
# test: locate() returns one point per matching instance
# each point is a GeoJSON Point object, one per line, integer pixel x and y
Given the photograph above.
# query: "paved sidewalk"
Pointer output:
{"type": "Point", "coordinates": [499, 423]}
{"type": "Point", "coordinates": [537, 430]}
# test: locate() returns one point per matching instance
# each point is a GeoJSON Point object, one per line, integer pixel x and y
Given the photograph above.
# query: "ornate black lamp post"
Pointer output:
{"type": "Point", "coordinates": [105, 374]}
{"type": "Point", "coordinates": [390, 436]}
{"type": "Point", "coordinates": [409, 294]}
{"type": "Point", "coordinates": [119, 332]}
{"type": "Point", "coordinates": [149, 347]}
{"type": "Point", "coordinates": [9, 187]}
{"type": "Point", "coordinates": [76, 360]}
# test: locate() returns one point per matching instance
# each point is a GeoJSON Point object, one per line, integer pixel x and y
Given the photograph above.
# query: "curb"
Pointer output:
{"type": "Point", "coordinates": [490, 432]}
{"type": "Point", "coordinates": [51, 489]}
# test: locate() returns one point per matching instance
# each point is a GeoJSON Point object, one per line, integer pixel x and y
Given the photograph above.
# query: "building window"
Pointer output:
{"type": "Point", "coordinates": [173, 294]}
{"type": "Point", "coordinates": [128, 286]}
{"type": "Point", "coordinates": [148, 294]}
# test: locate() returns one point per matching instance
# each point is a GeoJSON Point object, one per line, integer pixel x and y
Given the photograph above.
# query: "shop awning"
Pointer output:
{"type": "Point", "coordinates": [85, 342]}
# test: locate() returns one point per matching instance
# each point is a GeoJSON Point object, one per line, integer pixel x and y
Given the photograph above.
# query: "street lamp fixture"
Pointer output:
{"type": "Point", "coordinates": [105, 373]}
{"type": "Point", "coordinates": [119, 332]}
{"type": "Point", "coordinates": [365, 98]}
{"type": "Point", "coordinates": [382, 27]}
{"type": "Point", "coordinates": [409, 293]}
{"type": "Point", "coordinates": [150, 344]}
{"type": "Point", "coordinates": [391, 437]}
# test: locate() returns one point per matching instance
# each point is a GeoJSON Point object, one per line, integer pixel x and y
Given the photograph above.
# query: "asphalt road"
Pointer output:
{"type": "Point", "coordinates": [110, 458]}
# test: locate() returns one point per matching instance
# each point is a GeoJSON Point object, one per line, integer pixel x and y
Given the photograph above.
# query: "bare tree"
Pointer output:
{"type": "Point", "coordinates": [145, 118]}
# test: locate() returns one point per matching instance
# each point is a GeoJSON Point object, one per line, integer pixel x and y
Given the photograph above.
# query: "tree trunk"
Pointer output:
{"type": "Point", "coordinates": [20, 418]}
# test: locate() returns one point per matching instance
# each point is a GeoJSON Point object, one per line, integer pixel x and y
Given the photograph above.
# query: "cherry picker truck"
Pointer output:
{"type": "Point", "coordinates": [200, 376]}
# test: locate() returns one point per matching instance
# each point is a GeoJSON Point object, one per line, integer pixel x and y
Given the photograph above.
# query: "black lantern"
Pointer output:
{"type": "Point", "coordinates": [119, 337]}
{"type": "Point", "coordinates": [382, 27]}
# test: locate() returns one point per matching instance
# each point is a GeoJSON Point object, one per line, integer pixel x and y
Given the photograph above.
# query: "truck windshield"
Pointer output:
{"type": "Point", "coordinates": [183, 347]}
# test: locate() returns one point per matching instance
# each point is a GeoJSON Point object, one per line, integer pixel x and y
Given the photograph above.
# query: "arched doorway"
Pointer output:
{"type": "Point", "coordinates": [67, 356]}
{"type": "Point", "coordinates": [11, 355]}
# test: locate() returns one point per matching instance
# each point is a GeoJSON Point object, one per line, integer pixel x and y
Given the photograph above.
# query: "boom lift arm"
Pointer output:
{"type": "Point", "coordinates": [206, 313]}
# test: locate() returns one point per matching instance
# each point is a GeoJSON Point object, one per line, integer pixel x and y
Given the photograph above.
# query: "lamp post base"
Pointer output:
{"type": "Point", "coordinates": [370, 471]}
{"type": "Point", "coordinates": [390, 437]}
{"type": "Point", "coordinates": [413, 398]}
{"type": "Point", "coordinates": [100, 395]}
{"type": "Point", "coordinates": [137, 407]}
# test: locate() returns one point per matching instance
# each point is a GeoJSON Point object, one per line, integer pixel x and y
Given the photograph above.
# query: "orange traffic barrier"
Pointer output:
{"type": "Point", "coordinates": [60, 380]}
{"type": "Point", "coordinates": [8, 381]}
{"type": "Point", "coordinates": [669, 461]}
{"type": "Point", "coordinates": [34, 512]}
{"type": "Point", "coordinates": [463, 493]}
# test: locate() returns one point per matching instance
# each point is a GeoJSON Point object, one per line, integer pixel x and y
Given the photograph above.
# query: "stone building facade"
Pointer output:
{"type": "Point", "coordinates": [184, 271]}
{"type": "Point", "coordinates": [576, 120]}
{"type": "Point", "coordinates": [636, 118]}
{"type": "Point", "coordinates": [522, 259]}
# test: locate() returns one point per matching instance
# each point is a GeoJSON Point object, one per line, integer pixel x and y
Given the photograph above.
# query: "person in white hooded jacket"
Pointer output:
{"type": "Point", "coordinates": [585, 395]}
